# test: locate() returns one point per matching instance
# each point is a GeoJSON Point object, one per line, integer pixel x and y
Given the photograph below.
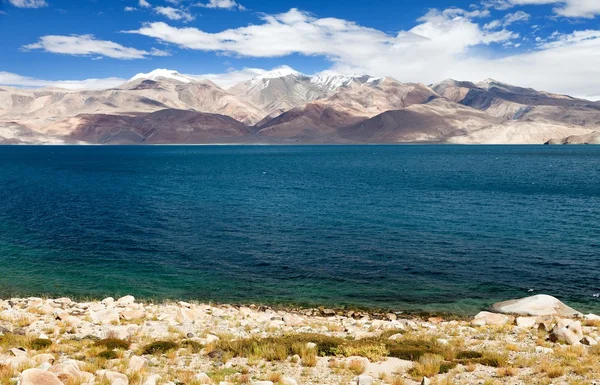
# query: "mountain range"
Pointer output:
{"type": "Point", "coordinates": [286, 106]}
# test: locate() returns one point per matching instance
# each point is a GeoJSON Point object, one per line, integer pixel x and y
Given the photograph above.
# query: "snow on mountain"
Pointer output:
{"type": "Point", "coordinates": [164, 74]}
{"type": "Point", "coordinates": [332, 81]}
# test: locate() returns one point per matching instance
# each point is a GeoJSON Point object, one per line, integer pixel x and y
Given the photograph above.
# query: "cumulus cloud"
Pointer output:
{"type": "Point", "coordinates": [130, 9]}
{"type": "Point", "coordinates": [84, 45]}
{"type": "Point", "coordinates": [222, 4]}
{"type": "Point", "coordinates": [444, 44]}
{"type": "Point", "coordinates": [144, 4]}
{"type": "Point", "coordinates": [174, 13]}
{"type": "Point", "coordinates": [568, 8]}
{"type": "Point", "coordinates": [509, 18]}
{"type": "Point", "coordinates": [14, 80]}
{"type": "Point", "coordinates": [29, 3]}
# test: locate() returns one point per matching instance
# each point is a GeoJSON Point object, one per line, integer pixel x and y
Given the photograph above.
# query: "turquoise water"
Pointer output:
{"type": "Point", "coordinates": [449, 228]}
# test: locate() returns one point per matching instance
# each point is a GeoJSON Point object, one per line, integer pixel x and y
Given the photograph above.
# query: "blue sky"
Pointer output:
{"type": "Point", "coordinates": [548, 44]}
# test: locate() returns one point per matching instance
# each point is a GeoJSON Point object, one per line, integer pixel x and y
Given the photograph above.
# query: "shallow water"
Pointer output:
{"type": "Point", "coordinates": [450, 228]}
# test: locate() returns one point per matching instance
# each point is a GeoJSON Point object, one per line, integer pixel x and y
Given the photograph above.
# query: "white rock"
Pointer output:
{"type": "Point", "coordinates": [536, 305]}
{"type": "Point", "coordinates": [541, 349]}
{"type": "Point", "coordinates": [136, 363]}
{"type": "Point", "coordinates": [38, 377]}
{"type": "Point", "coordinates": [592, 317]}
{"type": "Point", "coordinates": [526, 322]}
{"type": "Point", "coordinates": [263, 383]}
{"type": "Point", "coordinates": [203, 378]}
{"type": "Point", "coordinates": [108, 301]}
{"type": "Point", "coordinates": [425, 381]}
{"type": "Point", "coordinates": [126, 301]}
{"type": "Point", "coordinates": [115, 378]}
{"type": "Point", "coordinates": [492, 319]}
{"type": "Point", "coordinates": [152, 380]}
{"type": "Point", "coordinates": [567, 331]}
{"type": "Point", "coordinates": [105, 317]}
{"type": "Point", "coordinates": [285, 380]}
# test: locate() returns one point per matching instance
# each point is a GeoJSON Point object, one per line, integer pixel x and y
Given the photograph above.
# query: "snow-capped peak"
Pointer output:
{"type": "Point", "coordinates": [332, 80]}
{"type": "Point", "coordinates": [280, 72]}
{"type": "Point", "coordinates": [165, 74]}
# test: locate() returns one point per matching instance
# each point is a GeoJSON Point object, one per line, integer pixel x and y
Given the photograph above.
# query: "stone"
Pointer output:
{"type": "Point", "coordinates": [541, 349]}
{"type": "Point", "coordinates": [18, 352]}
{"type": "Point", "coordinates": [41, 358]}
{"type": "Point", "coordinates": [526, 322]}
{"type": "Point", "coordinates": [108, 301]}
{"type": "Point", "coordinates": [152, 380]}
{"type": "Point", "coordinates": [105, 317]}
{"type": "Point", "coordinates": [70, 371]}
{"type": "Point", "coordinates": [285, 380]}
{"type": "Point", "coordinates": [592, 317]}
{"type": "Point", "coordinates": [364, 380]}
{"type": "Point", "coordinates": [263, 383]}
{"type": "Point", "coordinates": [136, 363]}
{"type": "Point", "coordinates": [537, 305]}
{"type": "Point", "coordinates": [396, 337]}
{"type": "Point", "coordinates": [126, 301]}
{"type": "Point", "coordinates": [19, 362]}
{"type": "Point", "coordinates": [130, 315]}
{"type": "Point", "coordinates": [115, 378]}
{"type": "Point", "coordinates": [492, 319]}
{"type": "Point", "coordinates": [567, 331]}
{"type": "Point", "coordinates": [39, 377]}
{"type": "Point", "coordinates": [589, 341]}
{"type": "Point", "coordinates": [425, 381]}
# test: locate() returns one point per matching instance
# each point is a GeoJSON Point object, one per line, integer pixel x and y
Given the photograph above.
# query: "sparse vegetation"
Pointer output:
{"type": "Point", "coordinates": [113, 343]}
{"type": "Point", "coordinates": [160, 347]}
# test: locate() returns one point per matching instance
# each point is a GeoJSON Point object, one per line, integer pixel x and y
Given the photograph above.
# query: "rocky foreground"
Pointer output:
{"type": "Point", "coordinates": [536, 340]}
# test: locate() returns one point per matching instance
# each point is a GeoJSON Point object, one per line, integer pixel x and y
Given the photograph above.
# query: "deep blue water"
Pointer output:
{"type": "Point", "coordinates": [450, 228]}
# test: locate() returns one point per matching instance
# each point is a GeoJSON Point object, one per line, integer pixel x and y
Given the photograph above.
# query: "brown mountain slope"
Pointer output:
{"type": "Point", "coordinates": [433, 121]}
{"type": "Point", "coordinates": [314, 122]}
{"type": "Point", "coordinates": [165, 126]}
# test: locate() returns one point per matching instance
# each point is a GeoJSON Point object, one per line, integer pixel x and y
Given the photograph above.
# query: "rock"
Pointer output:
{"type": "Point", "coordinates": [126, 301]}
{"type": "Point", "coordinates": [19, 362]}
{"type": "Point", "coordinates": [537, 305]}
{"type": "Point", "coordinates": [69, 371]}
{"type": "Point", "coordinates": [152, 380]}
{"type": "Point", "coordinates": [39, 377]}
{"type": "Point", "coordinates": [592, 317]}
{"type": "Point", "coordinates": [105, 317]}
{"type": "Point", "coordinates": [328, 312]}
{"type": "Point", "coordinates": [589, 341]}
{"type": "Point", "coordinates": [443, 341]}
{"type": "Point", "coordinates": [41, 358]}
{"type": "Point", "coordinates": [263, 383]}
{"type": "Point", "coordinates": [115, 378]}
{"type": "Point", "coordinates": [396, 337]}
{"type": "Point", "coordinates": [130, 315]}
{"type": "Point", "coordinates": [364, 380]}
{"type": "Point", "coordinates": [136, 363]}
{"type": "Point", "coordinates": [285, 380]}
{"type": "Point", "coordinates": [491, 319]}
{"type": "Point", "coordinates": [17, 352]}
{"type": "Point", "coordinates": [108, 301]}
{"type": "Point", "coordinates": [567, 331]}
{"type": "Point", "coordinates": [425, 381]}
{"type": "Point", "coordinates": [311, 345]}
{"type": "Point", "coordinates": [526, 322]}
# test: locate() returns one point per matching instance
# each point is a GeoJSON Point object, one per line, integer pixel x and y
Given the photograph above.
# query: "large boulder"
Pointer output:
{"type": "Point", "coordinates": [39, 377]}
{"type": "Point", "coordinates": [537, 305]}
{"type": "Point", "coordinates": [487, 318]}
{"type": "Point", "coordinates": [567, 331]}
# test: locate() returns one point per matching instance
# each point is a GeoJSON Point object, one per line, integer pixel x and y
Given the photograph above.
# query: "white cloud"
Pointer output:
{"type": "Point", "coordinates": [509, 18]}
{"type": "Point", "coordinates": [568, 8]}
{"type": "Point", "coordinates": [222, 4]}
{"type": "Point", "coordinates": [442, 45]}
{"type": "Point", "coordinates": [174, 13]}
{"type": "Point", "coordinates": [29, 3]}
{"type": "Point", "coordinates": [144, 4]}
{"type": "Point", "coordinates": [11, 79]}
{"type": "Point", "coordinates": [130, 9]}
{"type": "Point", "coordinates": [83, 45]}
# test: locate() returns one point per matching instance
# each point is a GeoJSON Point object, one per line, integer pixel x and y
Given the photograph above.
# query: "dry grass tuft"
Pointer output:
{"type": "Point", "coordinates": [357, 367]}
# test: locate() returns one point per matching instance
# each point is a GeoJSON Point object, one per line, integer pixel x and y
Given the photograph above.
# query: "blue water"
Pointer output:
{"type": "Point", "coordinates": [448, 228]}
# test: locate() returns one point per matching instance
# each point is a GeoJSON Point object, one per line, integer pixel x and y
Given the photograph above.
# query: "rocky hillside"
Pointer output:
{"type": "Point", "coordinates": [285, 106]}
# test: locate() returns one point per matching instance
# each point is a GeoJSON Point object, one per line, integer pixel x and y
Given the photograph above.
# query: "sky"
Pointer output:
{"type": "Point", "coordinates": [550, 45]}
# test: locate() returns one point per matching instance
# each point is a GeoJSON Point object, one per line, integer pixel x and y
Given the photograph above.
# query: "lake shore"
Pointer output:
{"type": "Point", "coordinates": [122, 341]}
